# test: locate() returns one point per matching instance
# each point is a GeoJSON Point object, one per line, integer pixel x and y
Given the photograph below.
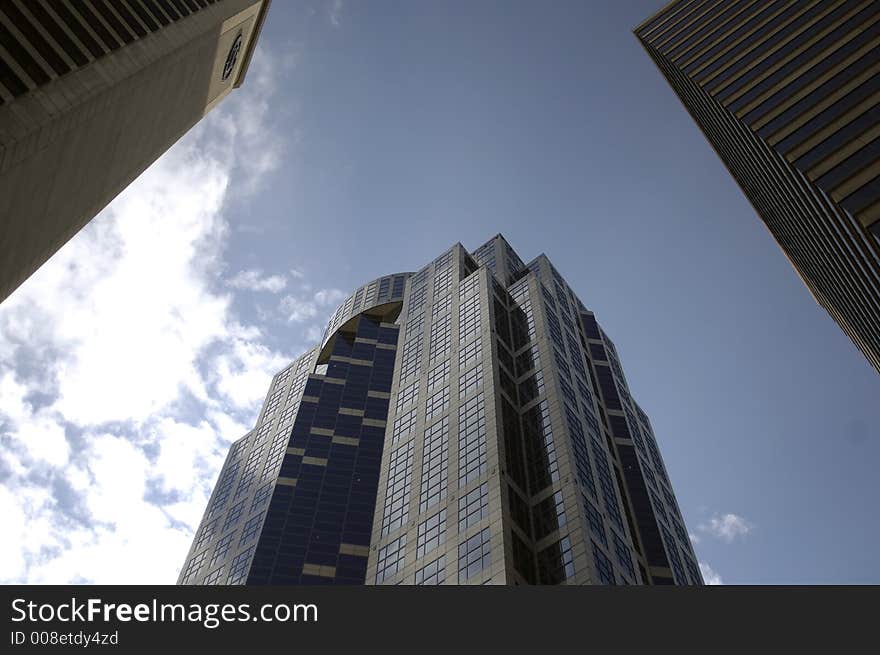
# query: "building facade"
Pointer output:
{"type": "Point", "coordinates": [295, 498]}
{"type": "Point", "coordinates": [787, 93]}
{"type": "Point", "coordinates": [94, 91]}
{"type": "Point", "coordinates": [472, 426]}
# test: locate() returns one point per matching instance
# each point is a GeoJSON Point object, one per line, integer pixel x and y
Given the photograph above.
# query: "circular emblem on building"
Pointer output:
{"type": "Point", "coordinates": [231, 57]}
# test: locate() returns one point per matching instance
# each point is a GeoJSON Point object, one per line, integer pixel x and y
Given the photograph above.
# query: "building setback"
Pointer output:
{"type": "Point", "coordinates": [466, 424]}
{"type": "Point", "coordinates": [787, 93]}
{"type": "Point", "coordinates": [92, 93]}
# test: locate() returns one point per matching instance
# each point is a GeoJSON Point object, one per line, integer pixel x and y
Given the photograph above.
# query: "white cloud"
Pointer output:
{"type": "Point", "coordinates": [129, 298]}
{"type": "Point", "coordinates": [710, 577]}
{"type": "Point", "coordinates": [253, 280]}
{"type": "Point", "coordinates": [29, 434]}
{"type": "Point", "coordinates": [727, 527]}
{"type": "Point", "coordinates": [694, 538]}
{"type": "Point", "coordinates": [125, 373]}
{"type": "Point", "coordinates": [334, 12]}
{"type": "Point", "coordinates": [298, 308]}
{"type": "Point", "coordinates": [243, 374]}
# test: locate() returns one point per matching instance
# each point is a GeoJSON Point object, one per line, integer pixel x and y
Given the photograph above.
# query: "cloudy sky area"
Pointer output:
{"type": "Point", "coordinates": [367, 139]}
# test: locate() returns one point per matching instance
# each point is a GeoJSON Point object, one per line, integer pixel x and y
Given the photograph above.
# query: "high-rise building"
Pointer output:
{"type": "Point", "coordinates": [466, 424]}
{"type": "Point", "coordinates": [295, 498]}
{"type": "Point", "coordinates": [91, 93]}
{"type": "Point", "coordinates": [787, 93]}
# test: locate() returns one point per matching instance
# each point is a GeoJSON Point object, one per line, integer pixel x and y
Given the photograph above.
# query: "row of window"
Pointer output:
{"type": "Point", "coordinates": [396, 509]}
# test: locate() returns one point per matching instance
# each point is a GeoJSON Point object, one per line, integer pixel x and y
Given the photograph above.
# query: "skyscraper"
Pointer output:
{"type": "Point", "coordinates": [91, 93]}
{"type": "Point", "coordinates": [466, 424]}
{"type": "Point", "coordinates": [787, 93]}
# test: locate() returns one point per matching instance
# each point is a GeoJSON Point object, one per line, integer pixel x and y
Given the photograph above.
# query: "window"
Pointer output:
{"type": "Point", "coordinates": [485, 253]}
{"type": "Point", "coordinates": [505, 357]}
{"type": "Point", "coordinates": [397, 496]}
{"type": "Point", "coordinates": [470, 354]}
{"type": "Point", "coordinates": [443, 260]}
{"type": "Point", "coordinates": [469, 286]}
{"type": "Point", "coordinates": [237, 448]}
{"type": "Point", "coordinates": [384, 288]}
{"type": "Point", "coordinates": [670, 499]}
{"type": "Point", "coordinates": [469, 318]}
{"type": "Point", "coordinates": [605, 482]}
{"type": "Point", "coordinates": [415, 325]}
{"type": "Point", "coordinates": [519, 511]}
{"type": "Point", "coordinates": [213, 578]}
{"type": "Point", "coordinates": [274, 401]}
{"type": "Point", "coordinates": [438, 375]}
{"type": "Point", "coordinates": [540, 448]}
{"type": "Point", "coordinates": [623, 555]}
{"type": "Point", "coordinates": [224, 486]}
{"type": "Point", "coordinates": [391, 558]}
{"type": "Point", "coordinates": [416, 301]}
{"type": "Point", "coordinates": [591, 420]}
{"type": "Point", "coordinates": [586, 395]}
{"type": "Point", "coordinates": [523, 558]}
{"type": "Point", "coordinates": [286, 418]}
{"type": "Point", "coordinates": [244, 485]}
{"type": "Point", "coordinates": [238, 569]}
{"type": "Point", "coordinates": [440, 338]}
{"type": "Point", "coordinates": [206, 532]}
{"type": "Point", "coordinates": [234, 515]}
{"type": "Point", "coordinates": [672, 549]}
{"type": "Point", "coordinates": [577, 359]}
{"type": "Point", "coordinates": [502, 320]}
{"type": "Point", "coordinates": [193, 568]}
{"type": "Point", "coordinates": [435, 459]}
{"type": "Point", "coordinates": [474, 555]}
{"type": "Point", "coordinates": [441, 307]}
{"type": "Point", "coordinates": [603, 566]}
{"type": "Point", "coordinates": [418, 280]}
{"type": "Point", "coordinates": [262, 496]}
{"type": "Point", "coordinates": [556, 562]}
{"type": "Point", "coordinates": [470, 381]}
{"type": "Point", "coordinates": [473, 507]}
{"type": "Point", "coordinates": [549, 515]}
{"type": "Point", "coordinates": [275, 455]}
{"type": "Point", "coordinates": [403, 425]}
{"type": "Point", "coordinates": [594, 518]}
{"type": "Point", "coordinates": [431, 534]}
{"type": "Point", "coordinates": [437, 403]}
{"type": "Point", "coordinates": [527, 360]}
{"type": "Point", "coordinates": [581, 456]}
{"type": "Point", "coordinates": [221, 549]}
{"type": "Point", "coordinates": [262, 434]}
{"type": "Point", "coordinates": [471, 440]}
{"type": "Point", "coordinates": [250, 529]}
{"type": "Point", "coordinates": [253, 459]}
{"type": "Point", "coordinates": [407, 395]}
{"type": "Point", "coordinates": [433, 573]}
{"type": "Point", "coordinates": [442, 283]}
{"type": "Point", "coordinates": [565, 374]}
{"type": "Point", "coordinates": [554, 328]}
{"type": "Point", "coordinates": [531, 388]}
{"type": "Point", "coordinates": [658, 506]}
{"type": "Point", "coordinates": [693, 571]}
{"type": "Point", "coordinates": [680, 531]}
{"type": "Point", "coordinates": [399, 284]}
{"type": "Point", "coordinates": [411, 360]}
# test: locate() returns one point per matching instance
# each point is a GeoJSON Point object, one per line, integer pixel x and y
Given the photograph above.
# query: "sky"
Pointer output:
{"type": "Point", "coordinates": [367, 139]}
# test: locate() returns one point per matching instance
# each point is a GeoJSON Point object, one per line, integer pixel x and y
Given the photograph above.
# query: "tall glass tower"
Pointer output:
{"type": "Point", "coordinates": [466, 424]}
{"type": "Point", "coordinates": [788, 94]}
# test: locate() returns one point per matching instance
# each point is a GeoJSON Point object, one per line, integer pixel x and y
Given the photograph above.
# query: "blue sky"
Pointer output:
{"type": "Point", "coordinates": [367, 139]}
